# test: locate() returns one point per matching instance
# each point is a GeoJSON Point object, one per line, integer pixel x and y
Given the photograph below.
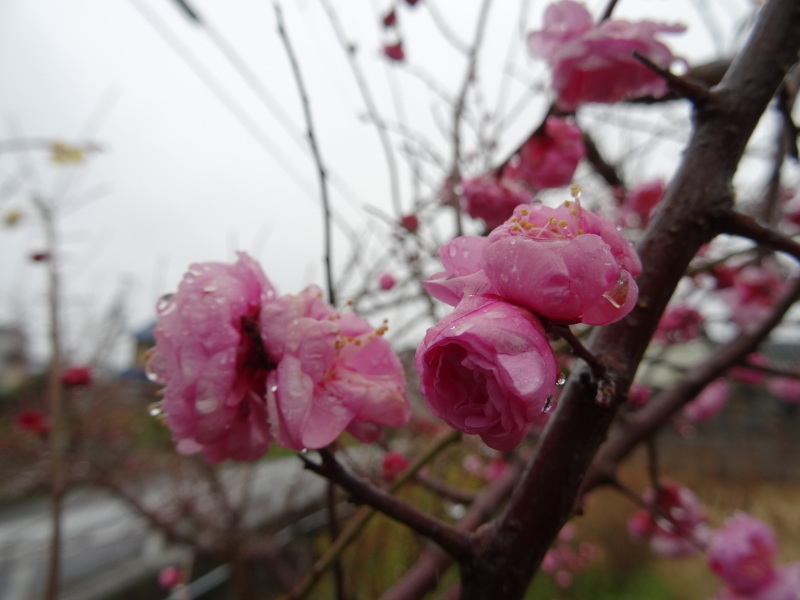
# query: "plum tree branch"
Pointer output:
{"type": "Point", "coordinates": [698, 200]}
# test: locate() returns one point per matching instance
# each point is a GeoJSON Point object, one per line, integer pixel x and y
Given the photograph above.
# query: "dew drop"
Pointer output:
{"type": "Point", "coordinates": [155, 410]}
{"type": "Point", "coordinates": [304, 451]}
{"type": "Point", "coordinates": [452, 252]}
{"type": "Point", "coordinates": [209, 288]}
{"type": "Point", "coordinates": [164, 306]}
{"type": "Point", "coordinates": [549, 404]}
{"type": "Point", "coordinates": [561, 379]}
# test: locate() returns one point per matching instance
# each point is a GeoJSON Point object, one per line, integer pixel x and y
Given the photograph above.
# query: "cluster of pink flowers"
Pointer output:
{"type": "Point", "coordinates": [674, 521]}
{"type": "Point", "coordinates": [743, 553]}
{"type": "Point", "coordinates": [595, 63]}
{"type": "Point", "coordinates": [243, 366]}
{"type": "Point", "coordinates": [564, 558]}
{"type": "Point", "coordinates": [488, 368]}
{"type": "Point", "coordinates": [752, 294]}
{"type": "Point", "coordinates": [679, 323]}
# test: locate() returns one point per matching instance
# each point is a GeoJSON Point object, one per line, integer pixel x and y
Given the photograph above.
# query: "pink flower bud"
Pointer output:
{"type": "Point", "coordinates": [679, 323]}
{"type": "Point", "coordinates": [640, 202]}
{"type": "Point", "coordinates": [410, 222]}
{"type": "Point", "coordinates": [76, 376]}
{"type": "Point", "coordinates": [392, 465]}
{"type": "Point", "coordinates": [785, 388]}
{"type": "Point", "coordinates": [548, 158]}
{"type": "Point", "coordinates": [169, 577]}
{"type": "Point", "coordinates": [487, 369]}
{"type": "Point", "coordinates": [33, 421]}
{"type": "Point", "coordinates": [386, 281]}
{"type": "Point", "coordinates": [491, 200]}
{"type": "Point", "coordinates": [394, 51]}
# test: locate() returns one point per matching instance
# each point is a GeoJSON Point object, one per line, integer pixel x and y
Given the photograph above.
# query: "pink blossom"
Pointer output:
{"type": "Point", "coordinates": [748, 376]}
{"type": "Point", "coordinates": [392, 464]}
{"type": "Point", "coordinates": [390, 19]}
{"type": "Point", "coordinates": [334, 372]}
{"type": "Point", "coordinates": [639, 394]}
{"type": "Point", "coordinates": [548, 158]}
{"type": "Point", "coordinates": [410, 222]}
{"type": "Point", "coordinates": [77, 376]}
{"type": "Point", "coordinates": [169, 577]}
{"type": "Point", "coordinates": [386, 281]}
{"type": "Point", "coordinates": [566, 264]}
{"type": "Point", "coordinates": [563, 559]}
{"type": "Point", "coordinates": [492, 200]}
{"type": "Point", "coordinates": [679, 323]}
{"type": "Point", "coordinates": [33, 421]}
{"type": "Point", "coordinates": [209, 357]}
{"type": "Point", "coordinates": [595, 63]}
{"type": "Point", "coordinates": [394, 51]}
{"type": "Point", "coordinates": [755, 291]}
{"type": "Point", "coordinates": [463, 274]}
{"type": "Point", "coordinates": [785, 388]}
{"type": "Point", "coordinates": [784, 585]}
{"type": "Point", "coordinates": [742, 553]}
{"type": "Point", "coordinates": [487, 369]}
{"type": "Point", "coordinates": [640, 202]}
{"type": "Point", "coordinates": [674, 523]}
{"type": "Point", "coordinates": [708, 402]}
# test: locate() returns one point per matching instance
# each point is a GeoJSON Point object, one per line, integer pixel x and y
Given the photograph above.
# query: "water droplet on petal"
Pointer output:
{"type": "Point", "coordinates": [304, 451]}
{"type": "Point", "coordinates": [561, 379]}
{"type": "Point", "coordinates": [164, 306]}
{"type": "Point", "coordinates": [155, 409]}
{"type": "Point", "coordinates": [209, 288]}
{"type": "Point", "coordinates": [549, 404]}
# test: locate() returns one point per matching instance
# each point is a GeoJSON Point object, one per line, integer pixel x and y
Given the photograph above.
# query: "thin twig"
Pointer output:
{"type": "Point", "coordinates": [748, 227]}
{"type": "Point", "coordinates": [312, 140]}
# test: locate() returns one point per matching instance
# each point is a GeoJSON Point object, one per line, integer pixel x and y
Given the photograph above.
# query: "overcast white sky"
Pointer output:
{"type": "Point", "coordinates": [180, 179]}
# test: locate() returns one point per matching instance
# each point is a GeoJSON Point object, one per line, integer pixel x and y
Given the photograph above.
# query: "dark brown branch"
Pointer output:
{"type": "Point", "coordinates": [437, 486]}
{"type": "Point", "coordinates": [455, 542]}
{"type": "Point", "coordinates": [425, 574]}
{"type": "Point", "coordinates": [685, 88]}
{"type": "Point", "coordinates": [748, 227]}
{"type": "Point", "coordinates": [602, 167]}
{"type": "Point", "coordinates": [579, 350]}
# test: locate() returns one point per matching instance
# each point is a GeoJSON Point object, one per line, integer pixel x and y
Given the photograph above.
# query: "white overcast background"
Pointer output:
{"type": "Point", "coordinates": [180, 179]}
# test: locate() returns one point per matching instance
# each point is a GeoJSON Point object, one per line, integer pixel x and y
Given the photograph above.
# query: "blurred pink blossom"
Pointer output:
{"type": "Point", "coordinates": [785, 388]}
{"type": "Point", "coordinates": [487, 369]}
{"type": "Point", "coordinates": [747, 375]}
{"type": "Point", "coordinates": [708, 402]}
{"type": "Point", "coordinates": [563, 559]}
{"type": "Point", "coordinates": [394, 51]}
{"type": "Point", "coordinates": [753, 294]}
{"type": "Point", "coordinates": [639, 202]}
{"type": "Point", "coordinates": [392, 464]}
{"type": "Point", "coordinates": [33, 421]}
{"type": "Point", "coordinates": [548, 158]}
{"type": "Point", "coordinates": [742, 554]}
{"type": "Point", "coordinates": [566, 264]}
{"type": "Point", "coordinates": [595, 63]}
{"type": "Point", "coordinates": [386, 281]}
{"type": "Point", "coordinates": [674, 522]}
{"type": "Point", "coordinates": [76, 376]}
{"type": "Point", "coordinates": [639, 394]}
{"type": "Point", "coordinates": [678, 324]}
{"type": "Point", "coordinates": [410, 222]}
{"type": "Point", "coordinates": [334, 372]}
{"type": "Point", "coordinates": [209, 357]}
{"type": "Point", "coordinates": [492, 200]}
{"type": "Point", "coordinates": [169, 577]}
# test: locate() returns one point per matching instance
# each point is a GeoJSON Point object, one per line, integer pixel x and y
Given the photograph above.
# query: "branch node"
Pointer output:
{"type": "Point", "coordinates": [690, 90]}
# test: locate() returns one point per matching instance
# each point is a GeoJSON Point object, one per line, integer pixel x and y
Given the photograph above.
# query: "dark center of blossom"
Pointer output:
{"type": "Point", "coordinates": [251, 356]}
